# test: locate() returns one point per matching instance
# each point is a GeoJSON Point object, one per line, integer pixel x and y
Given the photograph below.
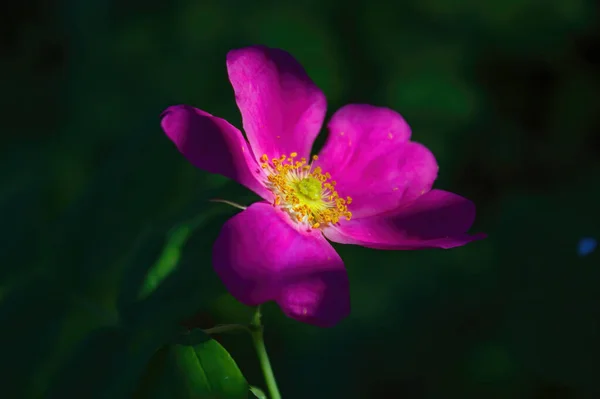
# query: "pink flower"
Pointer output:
{"type": "Point", "coordinates": [370, 185]}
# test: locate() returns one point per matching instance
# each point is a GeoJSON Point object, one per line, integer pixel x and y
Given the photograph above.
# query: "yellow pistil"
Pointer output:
{"type": "Point", "coordinates": [308, 195]}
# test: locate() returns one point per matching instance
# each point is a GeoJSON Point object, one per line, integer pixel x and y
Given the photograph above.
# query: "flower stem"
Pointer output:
{"type": "Point", "coordinates": [259, 343]}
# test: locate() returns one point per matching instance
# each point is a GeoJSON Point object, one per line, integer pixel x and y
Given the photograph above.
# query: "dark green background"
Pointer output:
{"type": "Point", "coordinates": [504, 92]}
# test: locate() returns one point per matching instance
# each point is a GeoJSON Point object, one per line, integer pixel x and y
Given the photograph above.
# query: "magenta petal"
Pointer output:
{"type": "Point", "coordinates": [282, 109]}
{"type": "Point", "coordinates": [260, 257]}
{"type": "Point", "coordinates": [369, 156]}
{"type": "Point", "coordinates": [213, 145]}
{"type": "Point", "coordinates": [438, 219]}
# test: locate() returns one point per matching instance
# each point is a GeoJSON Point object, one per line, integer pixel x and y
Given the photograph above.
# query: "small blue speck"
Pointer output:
{"type": "Point", "coordinates": [586, 246]}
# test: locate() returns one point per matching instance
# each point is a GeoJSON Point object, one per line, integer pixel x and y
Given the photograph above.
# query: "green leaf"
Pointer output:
{"type": "Point", "coordinates": [258, 392]}
{"type": "Point", "coordinates": [139, 263]}
{"type": "Point", "coordinates": [181, 281]}
{"type": "Point", "coordinates": [154, 258]}
{"type": "Point", "coordinates": [167, 262]}
{"type": "Point", "coordinates": [195, 367]}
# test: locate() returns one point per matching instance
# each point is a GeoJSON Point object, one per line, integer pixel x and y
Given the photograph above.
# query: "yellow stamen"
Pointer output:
{"type": "Point", "coordinates": [308, 195]}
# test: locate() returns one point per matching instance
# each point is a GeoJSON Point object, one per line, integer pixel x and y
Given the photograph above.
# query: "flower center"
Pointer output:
{"type": "Point", "coordinates": [308, 195]}
{"type": "Point", "coordinates": [310, 188]}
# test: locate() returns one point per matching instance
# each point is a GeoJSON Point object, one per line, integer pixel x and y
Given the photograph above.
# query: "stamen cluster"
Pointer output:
{"type": "Point", "coordinates": [308, 195]}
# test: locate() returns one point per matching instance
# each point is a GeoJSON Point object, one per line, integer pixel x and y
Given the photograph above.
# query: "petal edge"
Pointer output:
{"type": "Point", "coordinates": [438, 219]}
{"type": "Point", "coordinates": [282, 109]}
{"type": "Point", "coordinates": [213, 145]}
{"type": "Point", "coordinates": [261, 257]}
{"type": "Point", "coordinates": [369, 155]}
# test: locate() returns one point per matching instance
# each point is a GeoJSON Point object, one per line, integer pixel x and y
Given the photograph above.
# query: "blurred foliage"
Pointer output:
{"type": "Point", "coordinates": [107, 231]}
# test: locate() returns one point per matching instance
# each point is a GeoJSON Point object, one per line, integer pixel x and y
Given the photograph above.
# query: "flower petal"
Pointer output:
{"type": "Point", "coordinates": [260, 257]}
{"type": "Point", "coordinates": [369, 156]}
{"type": "Point", "coordinates": [438, 219]}
{"type": "Point", "coordinates": [282, 109]}
{"type": "Point", "coordinates": [213, 145]}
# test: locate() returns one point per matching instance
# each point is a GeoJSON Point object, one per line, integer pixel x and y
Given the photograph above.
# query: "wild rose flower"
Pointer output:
{"type": "Point", "coordinates": [370, 186]}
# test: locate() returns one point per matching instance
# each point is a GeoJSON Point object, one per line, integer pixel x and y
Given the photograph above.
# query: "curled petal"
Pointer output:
{"type": "Point", "coordinates": [282, 109]}
{"type": "Point", "coordinates": [213, 145]}
{"type": "Point", "coordinates": [438, 219]}
{"type": "Point", "coordinates": [260, 256]}
{"type": "Point", "coordinates": [369, 156]}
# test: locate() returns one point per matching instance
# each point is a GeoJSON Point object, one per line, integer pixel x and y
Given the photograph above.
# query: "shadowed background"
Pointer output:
{"type": "Point", "coordinates": [505, 94]}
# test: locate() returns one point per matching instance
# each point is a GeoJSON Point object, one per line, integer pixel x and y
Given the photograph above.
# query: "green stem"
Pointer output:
{"type": "Point", "coordinates": [263, 358]}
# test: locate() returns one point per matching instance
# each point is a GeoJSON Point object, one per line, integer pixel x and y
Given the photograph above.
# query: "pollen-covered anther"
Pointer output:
{"type": "Point", "coordinates": [307, 194]}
